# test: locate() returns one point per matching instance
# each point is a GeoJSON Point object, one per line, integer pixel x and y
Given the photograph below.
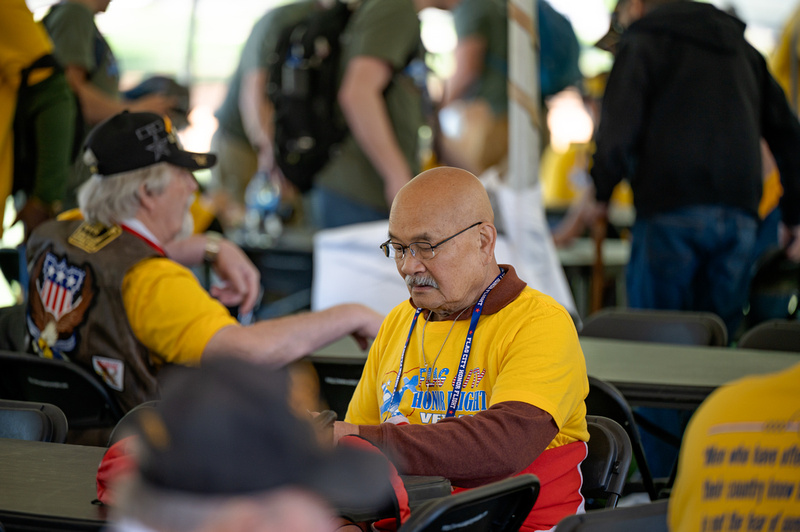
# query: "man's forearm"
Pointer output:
{"type": "Point", "coordinates": [361, 100]}
{"type": "Point", "coordinates": [508, 437]}
{"type": "Point", "coordinates": [257, 114]}
{"type": "Point", "coordinates": [282, 340]}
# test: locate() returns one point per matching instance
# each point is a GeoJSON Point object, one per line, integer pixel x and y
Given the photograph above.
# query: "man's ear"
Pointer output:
{"type": "Point", "coordinates": [146, 197]}
{"type": "Point", "coordinates": [488, 239]}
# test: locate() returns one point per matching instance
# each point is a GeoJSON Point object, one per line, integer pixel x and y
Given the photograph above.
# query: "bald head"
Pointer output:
{"type": "Point", "coordinates": [445, 195]}
{"type": "Point", "coordinates": [448, 209]}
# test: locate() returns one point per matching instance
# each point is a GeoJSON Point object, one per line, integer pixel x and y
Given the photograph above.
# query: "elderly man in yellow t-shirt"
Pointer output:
{"type": "Point", "coordinates": [478, 377]}
{"type": "Point", "coordinates": [107, 294]}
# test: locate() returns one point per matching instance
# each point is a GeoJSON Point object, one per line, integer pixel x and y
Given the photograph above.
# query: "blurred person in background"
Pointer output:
{"type": "Point", "coordinates": [244, 137]}
{"type": "Point", "coordinates": [93, 74]}
{"type": "Point", "coordinates": [37, 118]}
{"type": "Point", "coordinates": [225, 450]}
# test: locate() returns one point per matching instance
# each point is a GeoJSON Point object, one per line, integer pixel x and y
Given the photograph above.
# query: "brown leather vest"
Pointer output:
{"type": "Point", "coordinates": [75, 308]}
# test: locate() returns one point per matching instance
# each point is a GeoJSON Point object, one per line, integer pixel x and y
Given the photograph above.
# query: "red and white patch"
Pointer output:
{"type": "Point", "coordinates": [111, 370]}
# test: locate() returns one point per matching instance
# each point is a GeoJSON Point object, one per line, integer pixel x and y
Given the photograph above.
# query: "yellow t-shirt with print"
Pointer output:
{"type": "Point", "coordinates": [739, 466]}
{"type": "Point", "coordinates": [528, 351]}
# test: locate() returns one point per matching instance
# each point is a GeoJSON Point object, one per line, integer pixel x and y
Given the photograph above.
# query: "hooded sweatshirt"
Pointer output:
{"type": "Point", "coordinates": [686, 104]}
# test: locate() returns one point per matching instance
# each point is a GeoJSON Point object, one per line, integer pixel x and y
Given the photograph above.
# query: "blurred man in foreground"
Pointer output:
{"type": "Point", "coordinates": [224, 450]}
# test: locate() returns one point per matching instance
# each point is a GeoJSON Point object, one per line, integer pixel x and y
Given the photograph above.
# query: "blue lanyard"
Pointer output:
{"type": "Point", "coordinates": [462, 365]}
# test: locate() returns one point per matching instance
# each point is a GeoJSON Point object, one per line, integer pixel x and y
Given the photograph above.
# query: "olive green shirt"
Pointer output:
{"type": "Point", "coordinates": [387, 30]}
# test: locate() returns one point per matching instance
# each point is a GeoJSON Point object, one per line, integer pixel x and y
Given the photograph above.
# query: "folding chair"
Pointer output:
{"type": "Point", "coordinates": [606, 400]}
{"type": "Point", "coordinates": [26, 420]}
{"type": "Point", "coordinates": [81, 396]}
{"type": "Point", "coordinates": [606, 466]}
{"type": "Point", "coordinates": [665, 326]}
{"type": "Point", "coordinates": [777, 335]}
{"type": "Point", "coordinates": [651, 517]}
{"type": "Point", "coordinates": [501, 506]}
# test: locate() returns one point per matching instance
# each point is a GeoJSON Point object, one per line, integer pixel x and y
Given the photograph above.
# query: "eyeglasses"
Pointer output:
{"type": "Point", "coordinates": [419, 250]}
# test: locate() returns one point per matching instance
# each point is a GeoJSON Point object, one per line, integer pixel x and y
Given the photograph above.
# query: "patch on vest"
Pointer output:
{"type": "Point", "coordinates": [60, 293]}
{"type": "Point", "coordinates": [93, 237]}
{"type": "Point", "coordinates": [111, 370]}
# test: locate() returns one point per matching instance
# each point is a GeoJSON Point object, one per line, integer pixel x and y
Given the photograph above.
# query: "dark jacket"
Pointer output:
{"type": "Point", "coordinates": [686, 104]}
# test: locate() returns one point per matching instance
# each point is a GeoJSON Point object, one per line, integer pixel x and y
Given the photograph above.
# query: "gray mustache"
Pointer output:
{"type": "Point", "coordinates": [420, 281]}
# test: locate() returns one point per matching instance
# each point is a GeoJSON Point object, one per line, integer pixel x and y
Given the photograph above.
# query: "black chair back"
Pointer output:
{"type": "Point", "coordinates": [643, 517]}
{"type": "Point", "coordinates": [775, 335]}
{"type": "Point", "coordinates": [81, 396]}
{"type": "Point", "coordinates": [665, 326]}
{"type": "Point", "coordinates": [338, 379]}
{"type": "Point", "coordinates": [501, 506]}
{"type": "Point", "coordinates": [26, 420]}
{"type": "Point", "coordinates": [606, 465]}
{"type": "Point", "coordinates": [606, 400]}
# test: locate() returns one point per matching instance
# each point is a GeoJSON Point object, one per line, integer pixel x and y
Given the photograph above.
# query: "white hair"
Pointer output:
{"type": "Point", "coordinates": [111, 199]}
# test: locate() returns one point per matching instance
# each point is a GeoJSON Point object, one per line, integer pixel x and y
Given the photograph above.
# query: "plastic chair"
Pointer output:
{"type": "Point", "coordinates": [81, 396]}
{"type": "Point", "coordinates": [25, 420]}
{"type": "Point", "coordinates": [650, 517]}
{"type": "Point", "coordinates": [606, 466]}
{"type": "Point", "coordinates": [776, 335]}
{"type": "Point", "coordinates": [606, 400]}
{"type": "Point", "coordinates": [665, 326]}
{"type": "Point", "coordinates": [127, 425]}
{"type": "Point", "coordinates": [501, 506]}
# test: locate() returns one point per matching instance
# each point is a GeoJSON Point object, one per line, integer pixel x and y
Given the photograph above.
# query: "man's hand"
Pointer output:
{"type": "Point", "coordinates": [32, 214]}
{"type": "Point", "coordinates": [370, 325]}
{"type": "Point", "coordinates": [241, 280]}
{"type": "Point", "coordinates": [342, 429]}
{"type": "Point", "coordinates": [790, 241]}
{"type": "Point", "coordinates": [323, 425]}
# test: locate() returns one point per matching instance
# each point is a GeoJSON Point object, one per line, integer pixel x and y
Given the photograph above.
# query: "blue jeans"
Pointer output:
{"type": "Point", "coordinates": [330, 209]}
{"type": "Point", "coordinates": [696, 258]}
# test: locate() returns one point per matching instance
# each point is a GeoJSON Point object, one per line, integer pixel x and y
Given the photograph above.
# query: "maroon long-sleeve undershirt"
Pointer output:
{"type": "Point", "coordinates": [470, 450]}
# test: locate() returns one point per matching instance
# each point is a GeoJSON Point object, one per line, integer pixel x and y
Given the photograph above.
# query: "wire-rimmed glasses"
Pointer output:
{"type": "Point", "coordinates": [419, 250]}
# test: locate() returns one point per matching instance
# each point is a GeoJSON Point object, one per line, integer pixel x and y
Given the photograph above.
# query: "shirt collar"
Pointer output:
{"type": "Point", "coordinates": [135, 226]}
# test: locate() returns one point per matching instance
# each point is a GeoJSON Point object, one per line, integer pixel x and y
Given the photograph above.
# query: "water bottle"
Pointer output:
{"type": "Point", "coordinates": [262, 222]}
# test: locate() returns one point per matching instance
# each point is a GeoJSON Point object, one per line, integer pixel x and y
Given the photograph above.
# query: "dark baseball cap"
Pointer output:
{"type": "Point", "coordinates": [226, 428]}
{"type": "Point", "coordinates": [129, 141]}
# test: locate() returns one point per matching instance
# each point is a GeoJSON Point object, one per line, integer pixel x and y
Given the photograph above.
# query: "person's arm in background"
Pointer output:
{"type": "Point", "coordinates": [621, 122]}
{"type": "Point", "coordinates": [282, 340]}
{"type": "Point", "coordinates": [171, 314]}
{"type": "Point", "coordinates": [782, 133]}
{"type": "Point", "coordinates": [96, 105]}
{"type": "Point", "coordinates": [470, 56]}
{"type": "Point", "coordinates": [257, 116]}
{"type": "Point", "coordinates": [361, 100]}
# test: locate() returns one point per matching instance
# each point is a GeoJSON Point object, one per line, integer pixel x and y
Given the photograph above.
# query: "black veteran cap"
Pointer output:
{"type": "Point", "coordinates": [226, 428]}
{"type": "Point", "coordinates": [129, 141]}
